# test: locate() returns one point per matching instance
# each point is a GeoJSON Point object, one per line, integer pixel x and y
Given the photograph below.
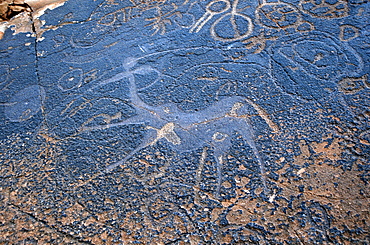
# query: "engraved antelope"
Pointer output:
{"type": "Point", "coordinates": [187, 131]}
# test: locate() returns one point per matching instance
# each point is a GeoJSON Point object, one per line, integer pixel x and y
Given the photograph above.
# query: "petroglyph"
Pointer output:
{"type": "Point", "coordinates": [212, 9]}
{"type": "Point", "coordinates": [163, 18]}
{"type": "Point", "coordinates": [351, 85]}
{"type": "Point", "coordinates": [258, 43]}
{"type": "Point", "coordinates": [160, 15]}
{"type": "Point", "coordinates": [4, 74]}
{"type": "Point", "coordinates": [70, 80]}
{"type": "Point", "coordinates": [178, 145]}
{"type": "Point", "coordinates": [25, 104]}
{"type": "Point", "coordinates": [320, 64]}
{"type": "Point", "coordinates": [325, 9]}
{"type": "Point", "coordinates": [122, 15]}
{"type": "Point", "coordinates": [348, 33]}
{"type": "Point", "coordinates": [187, 131]}
{"type": "Point", "coordinates": [280, 15]}
{"type": "Point", "coordinates": [198, 176]}
{"type": "Point", "coordinates": [233, 16]}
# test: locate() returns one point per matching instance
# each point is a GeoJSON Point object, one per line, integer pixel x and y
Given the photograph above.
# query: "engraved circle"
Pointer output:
{"type": "Point", "coordinates": [70, 80]}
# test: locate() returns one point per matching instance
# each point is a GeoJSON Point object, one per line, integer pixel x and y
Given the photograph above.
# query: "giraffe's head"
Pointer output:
{"type": "Point", "coordinates": [129, 62]}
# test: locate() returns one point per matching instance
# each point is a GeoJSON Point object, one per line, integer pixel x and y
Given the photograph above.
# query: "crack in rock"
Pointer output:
{"type": "Point", "coordinates": [23, 15]}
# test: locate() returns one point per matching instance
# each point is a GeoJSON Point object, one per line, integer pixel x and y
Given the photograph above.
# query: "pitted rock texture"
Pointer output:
{"type": "Point", "coordinates": [187, 122]}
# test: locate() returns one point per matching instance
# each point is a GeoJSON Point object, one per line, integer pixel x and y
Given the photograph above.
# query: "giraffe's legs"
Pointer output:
{"type": "Point", "coordinates": [149, 138]}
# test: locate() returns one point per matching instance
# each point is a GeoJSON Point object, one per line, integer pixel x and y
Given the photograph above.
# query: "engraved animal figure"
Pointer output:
{"type": "Point", "coordinates": [187, 131]}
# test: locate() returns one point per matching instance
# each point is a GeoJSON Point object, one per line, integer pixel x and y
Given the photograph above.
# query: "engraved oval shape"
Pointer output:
{"type": "Point", "coordinates": [277, 15]}
{"type": "Point", "coordinates": [70, 80]}
{"type": "Point", "coordinates": [25, 104]}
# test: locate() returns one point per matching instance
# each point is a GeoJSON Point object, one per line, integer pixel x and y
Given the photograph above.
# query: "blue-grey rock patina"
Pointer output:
{"type": "Point", "coordinates": [187, 122]}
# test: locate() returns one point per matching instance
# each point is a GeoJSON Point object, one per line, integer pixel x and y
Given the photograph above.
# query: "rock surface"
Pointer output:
{"type": "Point", "coordinates": [186, 122]}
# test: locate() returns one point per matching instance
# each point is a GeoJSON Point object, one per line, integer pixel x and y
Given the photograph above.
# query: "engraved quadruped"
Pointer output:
{"type": "Point", "coordinates": [186, 131]}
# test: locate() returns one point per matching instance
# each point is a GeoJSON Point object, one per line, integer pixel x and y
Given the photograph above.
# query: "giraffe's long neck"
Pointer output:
{"type": "Point", "coordinates": [134, 97]}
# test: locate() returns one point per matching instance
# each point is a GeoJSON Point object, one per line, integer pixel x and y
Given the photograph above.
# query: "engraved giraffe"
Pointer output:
{"type": "Point", "coordinates": [187, 131]}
